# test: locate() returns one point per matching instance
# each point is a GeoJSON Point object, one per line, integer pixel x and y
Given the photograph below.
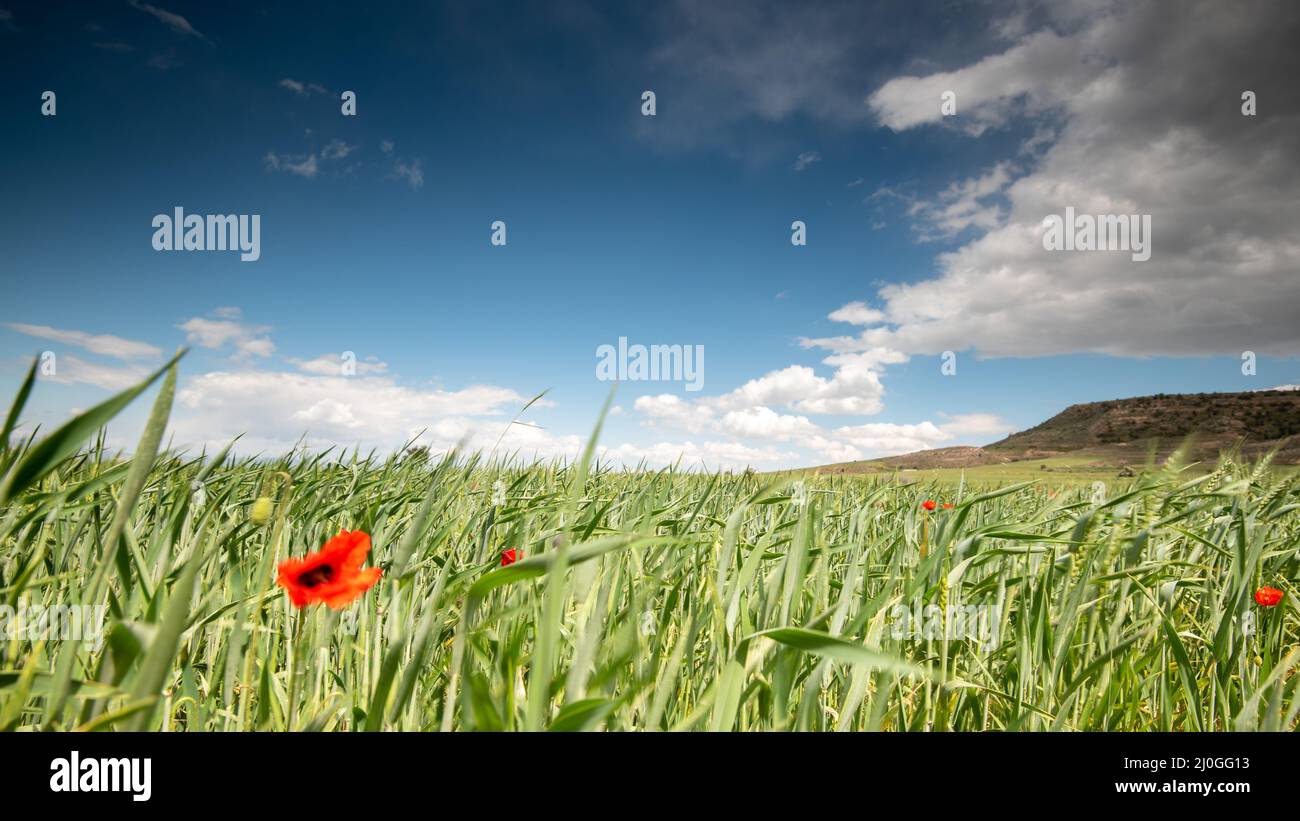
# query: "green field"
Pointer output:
{"type": "Point", "coordinates": [644, 601]}
{"type": "Point", "coordinates": [1054, 472]}
{"type": "Point", "coordinates": [1057, 472]}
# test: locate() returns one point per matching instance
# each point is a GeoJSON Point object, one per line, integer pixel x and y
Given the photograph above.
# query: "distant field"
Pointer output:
{"type": "Point", "coordinates": [1055, 471]}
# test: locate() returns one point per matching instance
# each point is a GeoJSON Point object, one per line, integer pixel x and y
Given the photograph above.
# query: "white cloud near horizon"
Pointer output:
{"type": "Point", "coordinates": [332, 365]}
{"type": "Point", "coordinates": [278, 410]}
{"type": "Point", "coordinates": [72, 370]}
{"type": "Point", "coordinates": [368, 410]}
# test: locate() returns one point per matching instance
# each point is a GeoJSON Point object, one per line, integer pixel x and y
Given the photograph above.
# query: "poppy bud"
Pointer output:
{"type": "Point", "coordinates": [261, 512]}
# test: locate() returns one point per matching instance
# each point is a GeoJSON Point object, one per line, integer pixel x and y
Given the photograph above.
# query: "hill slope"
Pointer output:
{"type": "Point", "coordinates": [1216, 419]}
{"type": "Point", "coordinates": [1122, 432]}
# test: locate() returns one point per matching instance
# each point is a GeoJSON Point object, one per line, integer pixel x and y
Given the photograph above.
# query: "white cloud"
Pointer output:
{"type": "Point", "coordinates": [103, 344]}
{"type": "Point", "coordinates": [964, 204]}
{"type": "Point", "coordinates": [246, 340]}
{"type": "Point", "coordinates": [412, 172]}
{"type": "Point", "coordinates": [856, 313]}
{"type": "Point", "coordinates": [673, 410]}
{"type": "Point", "coordinates": [308, 165]}
{"type": "Point", "coordinates": [744, 414]}
{"type": "Point", "coordinates": [988, 426]}
{"type": "Point", "coordinates": [765, 423]}
{"type": "Point", "coordinates": [1038, 73]}
{"type": "Point", "coordinates": [69, 370]}
{"type": "Point", "coordinates": [887, 439]}
{"type": "Point", "coordinates": [332, 365]}
{"type": "Point", "coordinates": [276, 408]}
{"type": "Point", "coordinates": [336, 150]}
{"type": "Point", "coordinates": [1144, 110]}
{"type": "Point", "coordinates": [175, 22]}
{"type": "Point", "coordinates": [853, 388]}
{"type": "Point", "coordinates": [805, 159]}
{"type": "Point", "coordinates": [332, 413]}
{"type": "Point", "coordinates": [301, 88]}
{"type": "Point", "coordinates": [303, 165]}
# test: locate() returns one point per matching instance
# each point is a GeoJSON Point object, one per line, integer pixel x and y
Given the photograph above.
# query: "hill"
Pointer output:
{"type": "Point", "coordinates": [1215, 419]}
{"type": "Point", "coordinates": [1103, 436]}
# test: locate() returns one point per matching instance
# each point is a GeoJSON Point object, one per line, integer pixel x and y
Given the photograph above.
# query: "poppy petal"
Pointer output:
{"type": "Point", "coordinates": [333, 575]}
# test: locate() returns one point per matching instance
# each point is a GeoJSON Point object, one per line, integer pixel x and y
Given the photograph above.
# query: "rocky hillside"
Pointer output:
{"type": "Point", "coordinates": [1122, 432]}
{"type": "Point", "coordinates": [1217, 420]}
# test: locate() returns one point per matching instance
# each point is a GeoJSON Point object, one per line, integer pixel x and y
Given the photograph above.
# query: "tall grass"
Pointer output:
{"type": "Point", "coordinates": [646, 600]}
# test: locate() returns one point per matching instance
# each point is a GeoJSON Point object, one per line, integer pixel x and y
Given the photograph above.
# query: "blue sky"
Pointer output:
{"type": "Point", "coordinates": [672, 229]}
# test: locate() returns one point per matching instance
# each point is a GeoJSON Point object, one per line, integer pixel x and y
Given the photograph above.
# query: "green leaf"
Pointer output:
{"type": "Point", "coordinates": [825, 645]}
{"type": "Point", "coordinates": [11, 421]}
{"type": "Point", "coordinates": [157, 664]}
{"type": "Point", "coordinates": [582, 715]}
{"type": "Point", "coordinates": [46, 454]}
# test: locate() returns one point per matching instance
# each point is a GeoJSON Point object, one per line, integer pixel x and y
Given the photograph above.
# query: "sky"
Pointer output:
{"type": "Point", "coordinates": [923, 227]}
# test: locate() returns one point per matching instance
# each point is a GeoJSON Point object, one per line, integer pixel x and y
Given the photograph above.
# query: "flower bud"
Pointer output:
{"type": "Point", "coordinates": [261, 512]}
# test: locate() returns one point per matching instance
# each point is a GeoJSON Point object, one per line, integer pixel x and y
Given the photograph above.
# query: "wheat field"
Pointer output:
{"type": "Point", "coordinates": [638, 599]}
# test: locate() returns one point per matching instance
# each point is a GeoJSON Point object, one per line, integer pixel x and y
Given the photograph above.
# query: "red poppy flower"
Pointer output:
{"type": "Point", "coordinates": [928, 504]}
{"type": "Point", "coordinates": [947, 505]}
{"type": "Point", "coordinates": [332, 576]}
{"type": "Point", "coordinates": [1268, 596]}
{"type": "Point", "coordinates": [511, 556]}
